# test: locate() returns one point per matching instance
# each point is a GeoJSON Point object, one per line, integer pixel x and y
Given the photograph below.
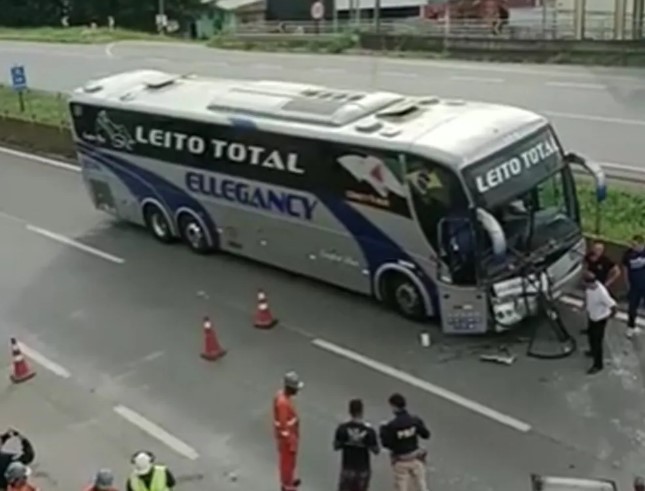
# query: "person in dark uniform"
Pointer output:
{"type": "Point", "coordinates": [604, 269]}
{"type": "Point", "coordinates": [26, 455]}
{"type": "Point", "coordinates": [355, 439]}
{"type": "Point", "coordinates": [634, 264]}
{"type": "Point", "coordinates": [401, 436]}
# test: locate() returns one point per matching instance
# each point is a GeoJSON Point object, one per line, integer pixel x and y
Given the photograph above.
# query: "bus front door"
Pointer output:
{"type": "Point", "coordinates": [463, 306]}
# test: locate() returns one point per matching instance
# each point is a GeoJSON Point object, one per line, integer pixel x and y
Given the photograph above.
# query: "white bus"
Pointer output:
{"type": "Point", "coordinates": [436, 207]}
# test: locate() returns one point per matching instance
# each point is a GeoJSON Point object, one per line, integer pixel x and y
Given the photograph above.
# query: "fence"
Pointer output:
{"type": "Point", "coordinates": [545, 24]}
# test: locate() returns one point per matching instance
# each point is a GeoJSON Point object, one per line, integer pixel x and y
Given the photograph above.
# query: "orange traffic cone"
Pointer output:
{"type": "Point", "coordinates": [21, 370]}
{"type": "Point", "coordinates": [263, 317]}
{"type": "Point", "coordinates": [212, 349]}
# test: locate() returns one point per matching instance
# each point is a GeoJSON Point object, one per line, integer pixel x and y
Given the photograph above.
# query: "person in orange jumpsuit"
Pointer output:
{"type": "Point", "coordinates": [287, 434]}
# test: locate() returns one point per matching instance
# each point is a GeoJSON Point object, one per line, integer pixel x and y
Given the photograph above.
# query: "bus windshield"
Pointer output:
{"type": "Point", "coordinates": [530, 191]}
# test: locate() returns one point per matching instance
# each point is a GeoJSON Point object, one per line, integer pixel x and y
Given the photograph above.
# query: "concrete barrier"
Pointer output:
{"type": "Point", "coordinates": [493, 47]}
{"type": "Point", "coordinates": [477, 47]}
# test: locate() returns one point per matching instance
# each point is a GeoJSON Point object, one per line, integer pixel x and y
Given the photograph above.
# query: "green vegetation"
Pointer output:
{"type": "Point", "coordinates": [622, 213]}
{"type": "Point", "coordinates": [294, 43]}
{"type": "Point", "coordinates": [77, 35]}
{"type": "Point", "coordinates": [42, 107]}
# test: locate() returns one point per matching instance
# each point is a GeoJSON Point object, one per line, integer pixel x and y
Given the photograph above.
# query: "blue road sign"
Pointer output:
{"type": "Point", "coordinates": [18, 77]}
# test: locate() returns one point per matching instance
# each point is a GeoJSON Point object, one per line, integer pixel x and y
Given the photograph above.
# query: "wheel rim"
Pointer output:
{"type": "Point", "coordinates": [159, 225]}
{"type": "Point", "coordinates": [195, 235]}
{"type": "Point", "coordinates": [407, 298]}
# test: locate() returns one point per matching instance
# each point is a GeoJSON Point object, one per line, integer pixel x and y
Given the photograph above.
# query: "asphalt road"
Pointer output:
{"type": "Point", "coordinates": [116, 314]}
{"type": "Point", "coordinates": [597, 111]}
{"type": "Point", "coordinates": [76, 433]}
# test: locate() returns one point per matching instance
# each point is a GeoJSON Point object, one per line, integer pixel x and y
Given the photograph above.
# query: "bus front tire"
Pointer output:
{"type": "Point", "coordinates": [157, 224]}
{"type": "Point", "coordinates": [193, 234]}
{"type": "Point", "coordinates": [403, 295]}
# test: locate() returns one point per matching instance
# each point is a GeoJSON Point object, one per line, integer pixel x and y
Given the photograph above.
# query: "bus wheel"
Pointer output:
{"type": "Point", "coordinates": [193, 234]}
{"type": "Point", "coordinates": [158, 224]}
{"type": "Point", "coordinates": [404, 296]}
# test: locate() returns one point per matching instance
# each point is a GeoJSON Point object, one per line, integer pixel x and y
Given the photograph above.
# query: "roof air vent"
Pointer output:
{"type": "Point", "coordinates": [160, 82]}
{"type": "Point", "coordinates": [369, 126]}
{"type": "Point", "coordinates": [92, 87]}
{"type": "Point", "coordinates": [390, 132]}
{"type": "Point", "coordinates": [429, 101]}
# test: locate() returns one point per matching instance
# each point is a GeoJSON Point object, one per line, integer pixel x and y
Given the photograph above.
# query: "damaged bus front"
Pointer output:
{"type": "Point", "coordinates": [526, 230]}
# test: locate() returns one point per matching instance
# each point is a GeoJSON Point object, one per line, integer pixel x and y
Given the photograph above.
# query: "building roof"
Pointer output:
{"type": "Point", "coordinates": [453, 132]}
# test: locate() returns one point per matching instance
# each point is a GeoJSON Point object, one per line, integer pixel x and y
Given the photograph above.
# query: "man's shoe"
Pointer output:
{"type": "Point", "coordinates": [594, 370]}
{"type": "Point", "coordinates": [632, 331]}
{"type": "Point", "coordinates": [297, 482]}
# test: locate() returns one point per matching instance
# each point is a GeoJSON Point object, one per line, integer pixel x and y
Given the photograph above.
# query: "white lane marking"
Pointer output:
{"type": "Point", "coordinates": [477, 79]}
{"type": "Point", "coordinates": [108, 50]}
{"type": "Point", "coordinates": [39, 159]}
{"type": "Point", "coordinates": [576, 85]}
{"type": "Point", "coordinates": [389, 73]}
{"type": "Point", "coordinates": [579, 304]}
{"type": "Point", "coordinates": [598, 119]}
{"type": "Point", "coordinates": [486, 67]}
{"type": "Point", "coordinates": [157, 432]}
{"type": "Point", "coordinates": [266, 66]}
{"type": "Point", "coordinates": [75, 244]}
{"type": "Point", "coordinates": [423, 385]}
{"type": "Point", "coordinates": [43, 361]}
{"type": "Point", "coordinates": [329, 70]}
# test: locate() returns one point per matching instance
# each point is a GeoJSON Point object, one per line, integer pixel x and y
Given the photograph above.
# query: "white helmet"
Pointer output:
{"type": "Point", "coordinates": [142, 462]}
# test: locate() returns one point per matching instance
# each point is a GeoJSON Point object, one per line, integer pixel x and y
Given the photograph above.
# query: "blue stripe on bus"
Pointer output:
{"type": "Point", "coordinates": [377, 247]}
{"type": "Point", "coordinates": [145, 184]}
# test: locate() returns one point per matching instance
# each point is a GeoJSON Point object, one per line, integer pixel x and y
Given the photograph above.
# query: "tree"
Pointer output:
{"type": "Point", "coordinates": [132, 14]}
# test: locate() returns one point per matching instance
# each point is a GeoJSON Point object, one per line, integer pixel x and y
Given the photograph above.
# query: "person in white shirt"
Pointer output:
{"type": "Point", "coordinates": [600, 308]}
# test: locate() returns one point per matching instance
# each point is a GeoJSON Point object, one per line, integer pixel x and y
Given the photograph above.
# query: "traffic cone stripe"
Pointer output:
{"type": "Point", "coordinates": [263, 317]}
{"type": "Point", "coordinates": [21, 371]}
{"type": "Point", "coordinates": [212, 348]}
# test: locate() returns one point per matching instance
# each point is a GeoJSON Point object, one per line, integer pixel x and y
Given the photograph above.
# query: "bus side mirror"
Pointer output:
{"type": "Point", "coordinates": [595, 169]}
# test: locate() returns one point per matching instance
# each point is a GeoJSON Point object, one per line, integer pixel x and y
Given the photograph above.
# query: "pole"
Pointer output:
{"type": "Point", "coordinates": [161, 12]}
{"type": "Point", "coordinates": [21, 101]}
{"type": "Point", "coordinates": [637, 19]}
{"type": "Point", "coordinates": [377, 16]}
{"type": "Point", "coordinates": [335, 15]}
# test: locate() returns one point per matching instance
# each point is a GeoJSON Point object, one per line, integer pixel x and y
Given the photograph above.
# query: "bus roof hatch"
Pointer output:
{"type": "Point", "coordinates": [301, 103]}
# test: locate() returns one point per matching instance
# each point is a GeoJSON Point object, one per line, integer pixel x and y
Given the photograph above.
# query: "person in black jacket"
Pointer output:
{"type": "Point", "coordinates": [356, 439]}
{"type": "Point", "coordinates": [401, 436]}
{"type": "Point", "coordinates": [26, 455]}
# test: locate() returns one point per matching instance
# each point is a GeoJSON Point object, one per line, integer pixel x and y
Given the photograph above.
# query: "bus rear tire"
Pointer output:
{"type": "Point", "coordinates": [157, 224]}
{"type": "Point", "coordinates": [403, 296]}
{"type": "Point", "coordinates": [193, 234]}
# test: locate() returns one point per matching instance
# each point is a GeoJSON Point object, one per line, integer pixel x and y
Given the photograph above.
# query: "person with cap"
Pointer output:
{"type": "Point", "coordinates": [17, 477]}
{"type": "Point", "coordinates": [26, 455]}
{"type": "Point", "coordinates": [104, 481]}
{"type": "Point", "coordinates": [287, 430]}
{"type": "Point", "coordinates": [148, 475]}
{"type": "Point", "coordinates": [401, 436]}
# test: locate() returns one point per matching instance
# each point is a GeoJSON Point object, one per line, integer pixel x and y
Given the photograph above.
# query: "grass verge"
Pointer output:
{"type": "Point", "coordinates": [621, 214]}
{"type": "Point", "coordinates": [40, 107]}
{"type": "Point", "coordinates": [76, 35]}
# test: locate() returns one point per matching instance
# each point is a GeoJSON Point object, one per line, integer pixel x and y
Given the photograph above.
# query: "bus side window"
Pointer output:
{"type": "Point", "coordinates": [436, 194]}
